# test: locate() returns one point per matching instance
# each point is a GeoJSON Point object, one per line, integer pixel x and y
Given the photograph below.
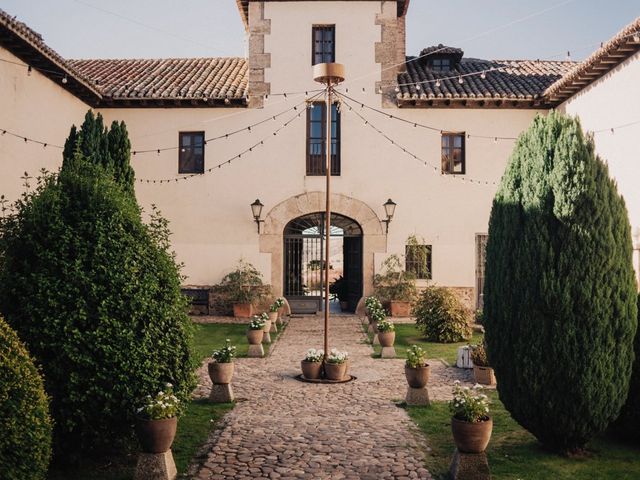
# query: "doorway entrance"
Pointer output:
{"type": "Point", "coordinates": [305, 261]}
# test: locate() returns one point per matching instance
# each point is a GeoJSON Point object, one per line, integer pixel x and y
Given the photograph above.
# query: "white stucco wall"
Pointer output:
{"type": "Point", "coordinates": [32, 106]}
{"type": "Point", "coordinates": [614, 101]}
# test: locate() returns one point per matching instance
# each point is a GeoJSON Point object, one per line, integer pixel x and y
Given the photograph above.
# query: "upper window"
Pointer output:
{"type": "Point", "coordinates": [191, 156]}
{"type": "Point", "coordinates": [440, 64]}
{"type": "Point", "coordinates": [453, 153]}
{"type": "Point", "coordinates": [418, 260]}
{"type": "Point", "coordinates": [323, 44]}
{"type": "Point", "coordinates": [316, 139]}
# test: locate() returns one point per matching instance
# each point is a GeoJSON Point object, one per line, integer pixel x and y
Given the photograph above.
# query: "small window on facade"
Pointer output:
{"type": "Point", "coordinates": [324, 44]}
{"type": "Point", "coordinates": [191, 154]}
{"type": "Point", "coordinates": [316, 139]}
{"type": "Point", "coordinates": [440, 64]}
{"type": "Point", "coordinates": [418, 260]}
{"type": "Point", "coordinates": [453, 160]}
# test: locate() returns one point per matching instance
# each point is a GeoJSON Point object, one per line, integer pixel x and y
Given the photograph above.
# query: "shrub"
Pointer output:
{"type": "Point", "coordinates": [96, 296]}
{"type": "Point", "coordinates": [394, 283]}
{"type": "Point", "coordinates": [25, 441]}
{"type": "Point", "coordinates": [441, 317]}
{"type": "Point", "coordinates": [628, 423]}
{"type": "Point", "coordinates": [479, 355]}
{"type": "Point", "coordinates": [560, 296]}
{"type": "Point", "coordinates": [243, 285]}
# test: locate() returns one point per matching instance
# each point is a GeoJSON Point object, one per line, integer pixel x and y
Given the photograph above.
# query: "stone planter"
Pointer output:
{"type": "Point", "coordinates": [484, 375]}
{"type": "Point", "coordinates": [417, 377]}
{"type": "Point", "coordinates": [311, 370]}
{"type": "Point", "coordinates": [335, 371]}
{"type": "Point", "coordinates": [242, 310]}
{"type": "Point", "coordinates": [471, 437]}
{"type": "Point", "coordinates": [156, 436]}
{"type": "Point", "coordinates": [221, 373]}
{"type": "Point", "coordinates": [267, 326]}
{"type": "Point", "coordinates": [386, 338]}
{"type": "Point", "coordinates": [255, 336]}
{"type": "Point", "coordinates": [400, 309]}
{"type": "Point", "coordinates": [273, 316]}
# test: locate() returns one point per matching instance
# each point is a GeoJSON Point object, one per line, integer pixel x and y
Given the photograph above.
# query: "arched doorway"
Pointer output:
{"type": "Point", "coordinates": [305, 260]}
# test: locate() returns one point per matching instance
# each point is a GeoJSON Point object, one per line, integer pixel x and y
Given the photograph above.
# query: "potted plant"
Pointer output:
{"type": "Point", "coordinates": [221, 368]}
{"type": "Point", "coordinates": [396, 286]}
{"type": "Point", "coordinates": [471, 424]}
{"type": "Point", "coordinates": [335, 366]}
{"type": "Point", "coordinates": [256, 331]}
{"type": "Point", "coordinates": [386, 333]}
{"type": "Point", "coordinates": [312, 364]}
{"type": "Point", "coordinates": [339, 288]}
{"type": "Point", "coordinates": [274, 309]}
{"type": "Point", "coordinates": [482, 372]}
{"type": "Point", "coordinates": [243, 288]}
{"type": "Point", "coordinates": [416, 368]}
{"type": "Point", "coordinates": [157, 420]}
{"type": "Point", "coordinates": [279, 303]}
{"type": "Point", "coordinates": [372, 304]}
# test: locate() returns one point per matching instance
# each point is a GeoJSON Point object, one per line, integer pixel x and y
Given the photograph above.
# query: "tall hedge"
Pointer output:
{"type": "Point", "coordinates": [559, 297]}
{"type": "Point", "coordinates": [25, 426]}
{"type": "Point", "coordinates": [629, 422]}
{"type": "Point", "coordinates": [96, 296]}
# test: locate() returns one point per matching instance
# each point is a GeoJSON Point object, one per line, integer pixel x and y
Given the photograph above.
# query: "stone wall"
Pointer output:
{"type": "Point", "coordinates": [390, 51]}
{"type": "Point", "coordinates": [258, 59]}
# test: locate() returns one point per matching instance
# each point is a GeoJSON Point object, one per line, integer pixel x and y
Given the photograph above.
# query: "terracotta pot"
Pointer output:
{"type": "Point", "coordinates": [221, 373]}
{"type": "Point", "coordinates": [484, 375]}
{"type": "Point", "coordinates": [311, 370]}
{"type": "Point", "coordinates": [417, 377]}
{"type": "Point", "coordinates": [471, 437]}
{"type": "Point", "coordinates": [335, 371]}
{"type": "Point", "coordinates": [242, 310]}
{"type": "Point", "coordinates": [386, 338]}
{"type": "Point", "coordinates": [267, 326]}
{"type": "Point", "coordinates": [344, 306]}
{"type": "Point", "coordinates": [255, 336]}
{"type": "Point", "coordinates": [156, 436]}
{"type": "Point", "coordinates": [273, 316]}
{"type": "Point", "coordinates": [400, 309]}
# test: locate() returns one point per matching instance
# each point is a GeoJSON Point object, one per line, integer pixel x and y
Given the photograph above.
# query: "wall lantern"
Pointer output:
{"type": "Point", "coordinates": [390, 209]}
{"type": "Point", "coordinates": [256, 210]}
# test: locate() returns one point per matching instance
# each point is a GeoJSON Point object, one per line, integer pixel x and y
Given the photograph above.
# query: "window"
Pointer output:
{"type": "Point", "coordinates": [453, 153]}
{"type": "Point", "coordinates": [316, 139]}
{"type": "Point", "coordinates": [440, 64]}
{"type": "Point", "coordinates": [191, 155]}
{"type": "Point", "coordinates": [323, 44]}
{"type": "Point", "coordinates": [418, 260]}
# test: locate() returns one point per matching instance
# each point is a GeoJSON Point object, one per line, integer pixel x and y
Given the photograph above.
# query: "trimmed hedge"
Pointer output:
{"type": "Point", "coordinates": [25, 426]}
{"type": "Point", "coordinates": [560, 295]}
{"type": "Point", "coordinates": [96, 296]}
{"type": "Point", "coordinates": [441, 316]}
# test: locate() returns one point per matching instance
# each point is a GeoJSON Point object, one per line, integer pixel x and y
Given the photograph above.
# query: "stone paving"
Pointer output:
{"type": "Point", "coordinates": [285, 429]}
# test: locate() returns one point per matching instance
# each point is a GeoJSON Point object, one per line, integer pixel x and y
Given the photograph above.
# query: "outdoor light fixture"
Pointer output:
{"type": "Point", "coordinates": [256, 210]}
{"type": "Point", "coordinates": [390, 209]}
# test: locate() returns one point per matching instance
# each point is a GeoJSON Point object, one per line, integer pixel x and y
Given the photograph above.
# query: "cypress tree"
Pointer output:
{"type": "Point", "coordinates": [120, 154]}
{"type": "Point", "coordinates": [560, 295]}
{"type": "Point", "coordinates": [629, 422]}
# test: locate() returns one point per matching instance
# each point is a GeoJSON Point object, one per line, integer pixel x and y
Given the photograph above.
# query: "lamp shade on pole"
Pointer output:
{"type": "Point", "coordinates": [390, 208]}
{"type": "Point", "coordinates": [256, 209]}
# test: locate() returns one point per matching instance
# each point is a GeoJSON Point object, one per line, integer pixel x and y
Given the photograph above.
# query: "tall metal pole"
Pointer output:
{"type": "Point", "coordinates": [327, 220]}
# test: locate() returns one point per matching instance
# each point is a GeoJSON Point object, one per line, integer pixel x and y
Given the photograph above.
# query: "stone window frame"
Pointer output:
{"type": "Point", "coordinates": [185, 152]}
{"type": "Point", "coordinates": [323, 53]}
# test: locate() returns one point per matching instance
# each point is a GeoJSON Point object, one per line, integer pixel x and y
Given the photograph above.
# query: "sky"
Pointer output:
{"type": "Point", "coordinates": [490, 29]}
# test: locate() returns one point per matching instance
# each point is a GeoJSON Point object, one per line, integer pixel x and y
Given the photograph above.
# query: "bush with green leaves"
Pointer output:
{"type": "Point", "coordinates": [441, 317]}
{"type": "Point", "coordinates": [560, 295]}
{"type": "Point", "coordinates": [628, 423]}
{"type": "Point", "coordinates": [25, 426]}
{"type": "Point", "coordinates": [394, 283]}
{"type": "Point", "coordinates": [95, 294]}
{"type": "Point", "coordinates": [243, 285]}
{"type": "Point", "coordinates": [416, 357]}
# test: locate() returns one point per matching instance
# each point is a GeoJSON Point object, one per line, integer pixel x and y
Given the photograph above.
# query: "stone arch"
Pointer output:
{"type": "Point", "coordinates": [271, 238]}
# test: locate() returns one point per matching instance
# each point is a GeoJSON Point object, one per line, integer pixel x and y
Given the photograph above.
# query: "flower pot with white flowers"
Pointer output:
{"type": "Point", "coordinates": [221, 368]}
{"type": "Point", "coordinates": [372, 305]}
{"type": "Point", "coordinates": [471, 424]}
{"type": "Point", "coordinates": [312, 364]}
{"type": "Point", "coordinates": [279, 303]}
{"type": "Point", "coordinates": [416, 368]}
{"type": "Point", "coordinates": [256, 331]}
{"type": "Point", "coordinates": [482, 372]}
{"type": "Point", "coordinates": [335, 365]}
{"type": "Point", "coordinates": [157, 421]}
{"type": "Point", "coordinates": [386, 333]}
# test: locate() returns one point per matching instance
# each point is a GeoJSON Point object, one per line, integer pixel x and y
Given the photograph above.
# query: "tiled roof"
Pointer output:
{"type": "Point", "coordinates": [612, 53]}
{"type": "Point", "coordinates": [202, 80]}
{"type": "Point", "coordinates": [505, 83]}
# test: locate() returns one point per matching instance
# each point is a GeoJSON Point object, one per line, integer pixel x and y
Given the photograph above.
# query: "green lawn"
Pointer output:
{"type": "Point", "coordinates": [208, 337]}
{"type": "Point", "coordinates": [408, 334]}
{"type": "Point", "coordinates": [515, 454]}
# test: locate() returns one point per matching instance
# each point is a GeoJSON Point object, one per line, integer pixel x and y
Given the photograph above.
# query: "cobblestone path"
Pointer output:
{"type": "Point", "coordinates": [285, 429]}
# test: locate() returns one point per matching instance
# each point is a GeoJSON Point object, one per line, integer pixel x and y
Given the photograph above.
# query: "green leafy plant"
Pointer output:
{"type": "Point", "coordinates": [339, 288]}
{"type": "Point", "coordinates": [277, 304]}
{"type": "Point", "coordinates": [243, 284]}
{"type": "Point", "coordinates": [416, 357]}
{"type": "Point", "coordinates": [469, 404]}
{"type": "Point", "coordinates": [25, 442]}
{"type": "Point", "coordinates": [224, 354]}
{"type": "Point", "coordinates": [441, 317]}
{"type": "Point", "coordinates": [479, 355]}
{"type": "Point", "coordinates": [378, 315]}
{"type": "Point", "coordinates": [163, 405]}
{"type": "Point", "coordinates": [313, 355]}
{"type": "Point", "coordinates": [96, 296]}
{"type": "Point", "coordinates": [385, 326]}
{"type": "Point", "coordinates": [394, 283]}
{"type": "Point", "coordinates": [258, 322]}
{"type": "Point", "coordinates": [372, 303]}
{"type": "Point", "coordinates": [560, 294]}
{"type": "Point", "coordinates": [628, 424]}
{"type": "Point", "coordinates": [337, 357]}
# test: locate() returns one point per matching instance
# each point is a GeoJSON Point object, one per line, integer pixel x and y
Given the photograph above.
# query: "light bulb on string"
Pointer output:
{"type": "Point", "coordinates": [29, 70]}
{"type": "Point", "coordinates": [460, 80]}
{"type": "Point", "coordinates": [438, 83]}
{"type": "Point", "coordinates": [64, 79]}
{"type": "Point", "coordinates": [483, 75]}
